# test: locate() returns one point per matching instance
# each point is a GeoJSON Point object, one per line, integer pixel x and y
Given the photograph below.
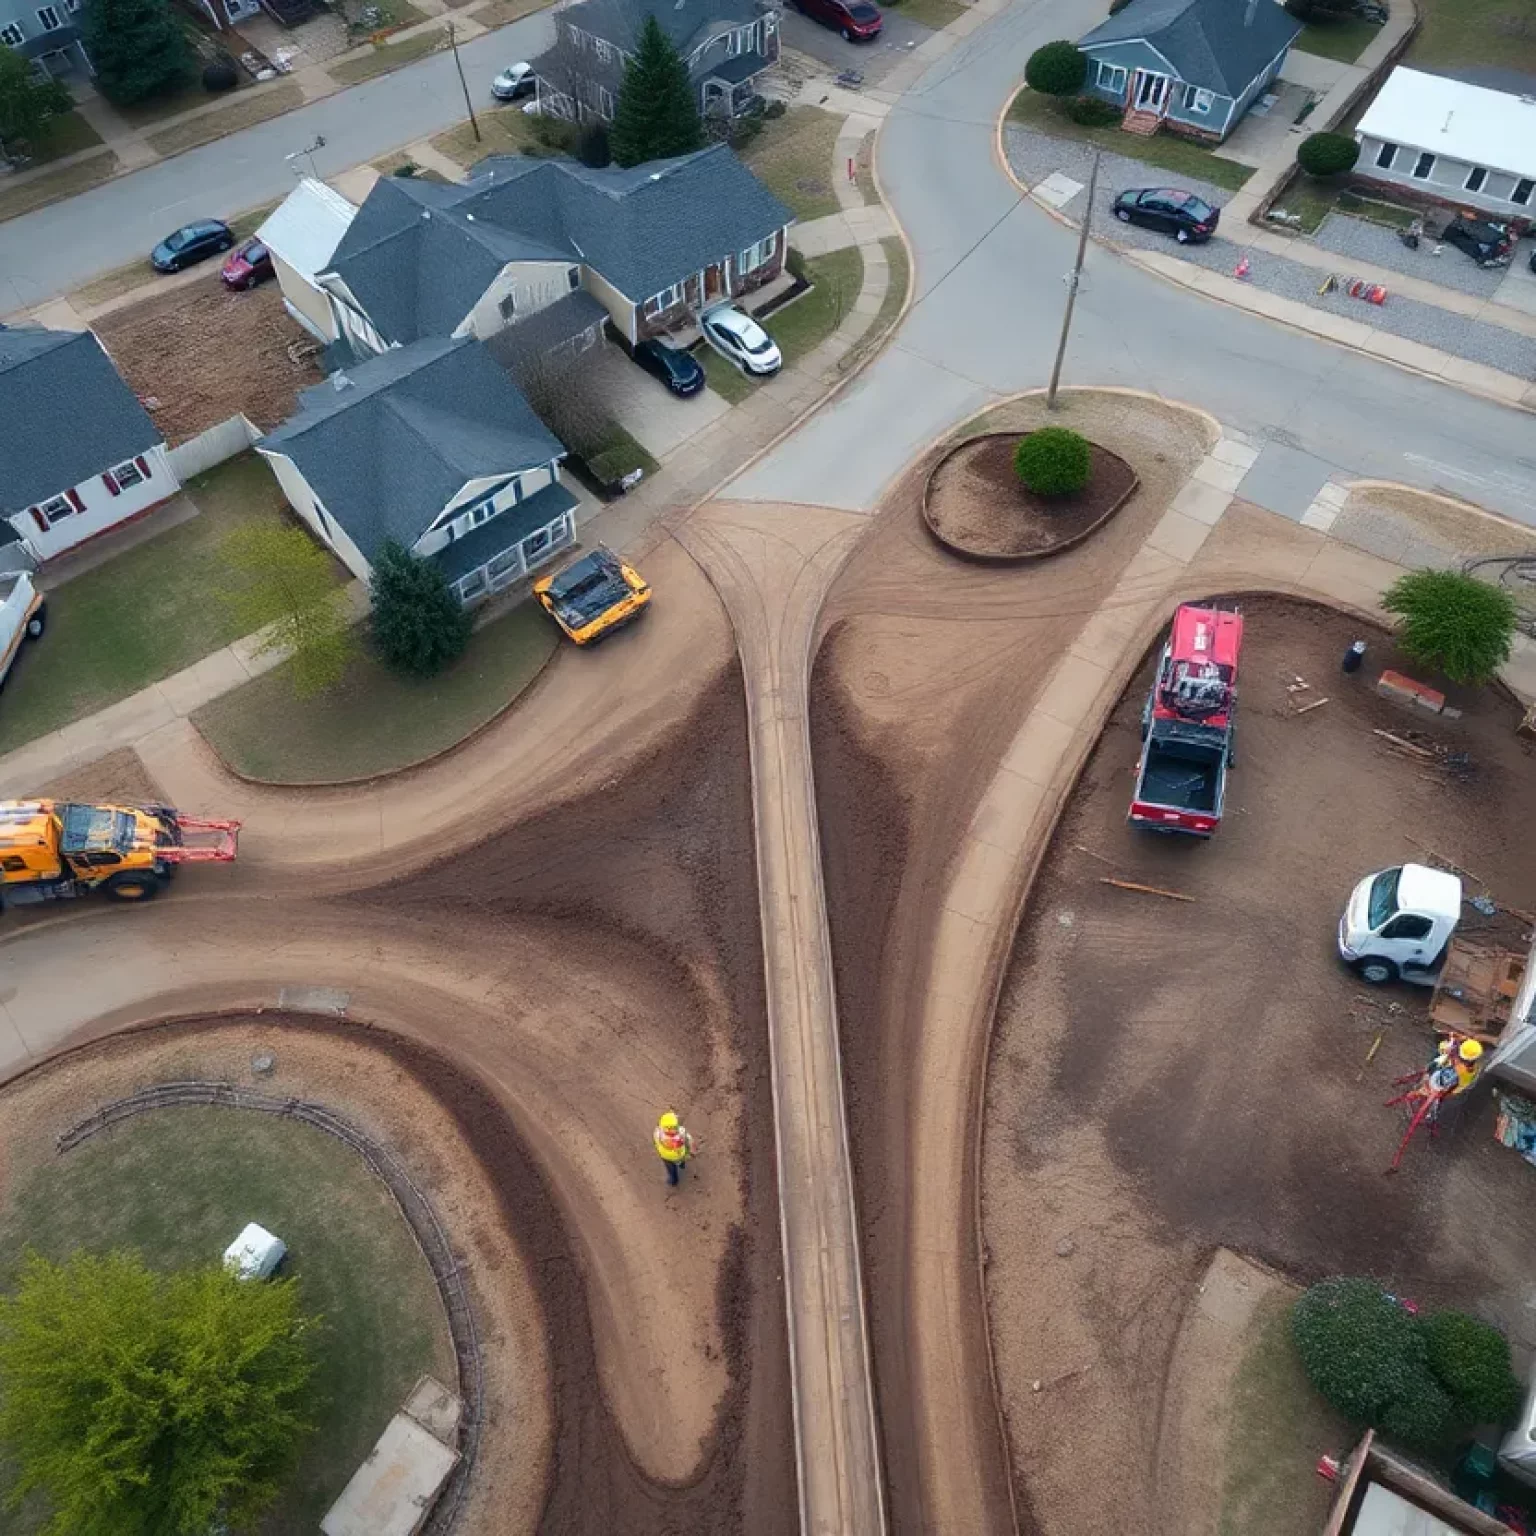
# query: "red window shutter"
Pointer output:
{"type": "Point", "coordinates": [143, 467]}
{"type": "Point", "coordinates": [39, 519]}
{"type": "Point", "coordinates": [74, 500]}
{"type": "Point", "coordinates": [111, 484]}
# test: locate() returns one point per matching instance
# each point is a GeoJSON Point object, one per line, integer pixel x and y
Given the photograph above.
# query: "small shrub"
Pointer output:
{"type": "Point", "coordinates": [555, 133]}
{"type": "Point", "coordinates": [796, 264]}
{"type": "Point", "coordinates": [1470, 1360]}
{"type": "Point", "coordinates": [1327, 154]}
{"type": "Point", "coordinates": [1054, 461]}
{"type": "Point", "coordinates": [1057, 69]}
{"type": "Point", "coordinates": [592, 145]}
{"type": "Point", "coordinates": [1092, 111]}
{"type": "Point", "coordinates": [743, 130]}
{"type": "Point", "coordinates": [1454, 622]}
{"type": "Point", "coordinates": [775, 108]}
{"type": "Point", "coordinates": [408, 170]}
{"type": "Point", "coordinates": [1367, 1355]}
{"type": "Point", "coordinates": [220, 76]}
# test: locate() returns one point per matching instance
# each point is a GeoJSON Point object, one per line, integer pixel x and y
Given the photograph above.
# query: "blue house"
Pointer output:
{"type": "Point", "coordinates": [1191, 66]}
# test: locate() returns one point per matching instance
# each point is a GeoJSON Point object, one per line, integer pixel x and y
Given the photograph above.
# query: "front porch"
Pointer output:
{"type": "Point", "coordinates": [510, 546]}
{"type": "Point", "coordinates": [731, 88]}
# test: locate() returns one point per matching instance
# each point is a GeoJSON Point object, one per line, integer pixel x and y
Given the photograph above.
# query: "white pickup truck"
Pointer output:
{"type": "Point", "coordinates": [22, 616]}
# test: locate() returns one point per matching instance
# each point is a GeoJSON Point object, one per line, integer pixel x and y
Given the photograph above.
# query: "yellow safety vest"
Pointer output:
{"type": "Point", "coordinates": [672, 1145]}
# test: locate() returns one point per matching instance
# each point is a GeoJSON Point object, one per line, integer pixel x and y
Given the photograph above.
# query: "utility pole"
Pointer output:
{"type": "Point", "coordinates": [469, 106]}
{"type": "Point", "coordinates": [1074, 281]}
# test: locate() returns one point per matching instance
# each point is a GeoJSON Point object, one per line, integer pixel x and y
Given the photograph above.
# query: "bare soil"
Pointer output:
{"type": "Point", "coordinates": [198, 355]}
{"type": "Point", "coordinates": [925, 669]}
{"type": "Point", "coordinates": [977, 503]}
{"type": "Point", "coordinates": [1168, 1077]}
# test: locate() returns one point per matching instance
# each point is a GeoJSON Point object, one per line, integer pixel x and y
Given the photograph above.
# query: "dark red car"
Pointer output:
{"type": "Point", "coordinates": [857, 20]}
{"type": "Point", "coordinates": [250, 265]}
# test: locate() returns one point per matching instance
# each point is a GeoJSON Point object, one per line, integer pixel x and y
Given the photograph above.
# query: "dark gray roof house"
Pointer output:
{"type": "Point", "coordinates": [1193, 66]}
{"type": "Point", "coordinates": [419, 257]}
{"type": "Point", "coordinates": [65, 415]}
{"type": "Point", "coordinates": [726, 45]}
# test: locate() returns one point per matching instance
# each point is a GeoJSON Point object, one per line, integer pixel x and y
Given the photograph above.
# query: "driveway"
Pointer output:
{"type": "Point", "coordinates": [875, 59]}
{"type": "Point", "coordinates": [987, 313]}
{"type": "Point", "coordinates": [643, 406]}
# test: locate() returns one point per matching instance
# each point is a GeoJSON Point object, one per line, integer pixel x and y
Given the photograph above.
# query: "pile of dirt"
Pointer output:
{"type": "Point", "coordinates": [198, 355]}
{"type": "Point", "coordinates": [977, 505]}
{"type": "Point", "coordinates": [1170, 1076]}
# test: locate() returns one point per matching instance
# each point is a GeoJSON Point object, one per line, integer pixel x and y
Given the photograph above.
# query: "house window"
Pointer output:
{"type": "Point", "coordinates": [1424, 167]}
{"type": "Point", "coordinates": [573, 279]}
{"type": "Point", "coordinates": [52, 511]}
{"type": "Point", "coordinates": [12, 35]}
{"type": "Point", "coordinates": [536, 543]}
{"type": "Point", "coordinates": [1386, 155]}
{"type": "Point", "coordinates": [1475, 179]}
{"type": "Point", "coordinates": [1111, 77]}
{"type": "Point", "coordinates": [664, 300]}
{"type": "Point", "coordinates": [49, 18]}
{"type": "Point", "coordinates": [602, 49]}
{"type": "Point", "coordinates": [72, 6]}
{"type": "Point", "coordinates": [1196, 100]}
{"type": "Point", "coordinates": [605, 101]}
{"type": "Point", "coordinates": [755, 256]}
{"type": "Point", "coordinates": [468, 521]}
{"type": "Point", "coordinates": [472, 586]}
{"type": "Point", "coordinates": [1523, 189]}
{"type": "Point", "coordinates": [126, 475]}
{"type": "Point", "coordinates": [507, 305]}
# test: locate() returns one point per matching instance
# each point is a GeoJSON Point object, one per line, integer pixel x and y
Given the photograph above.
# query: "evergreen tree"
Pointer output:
{"type": "Point", "coordinates": [143, 1404]}
{"type": "Point", "coordinates": [138, 47]}
{"type": "Point", "coordinates": [27, 101]}
{"type": "Point", "coordinates": [658, 113]}
{"type": "Point", "coordinates": [419, 626]}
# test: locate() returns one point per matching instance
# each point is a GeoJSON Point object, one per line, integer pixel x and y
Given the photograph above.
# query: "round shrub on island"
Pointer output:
{"type": "Point", "coordinates": [1057, 69]}
{"type": "Point", "coordinates": [1327, 154]}
{"type": "Point", "coordinates": [1470, 1360]}
{"type": "Point", "coordinates": [1055, 461]}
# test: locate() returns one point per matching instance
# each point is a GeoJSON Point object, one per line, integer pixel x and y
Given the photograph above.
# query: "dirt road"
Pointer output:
{"type": "Point", "coordinates": [1168, 1077]}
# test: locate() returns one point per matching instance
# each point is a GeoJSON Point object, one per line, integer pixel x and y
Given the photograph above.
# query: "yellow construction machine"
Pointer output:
{"type": "Point", "coordinates": [52, 850]}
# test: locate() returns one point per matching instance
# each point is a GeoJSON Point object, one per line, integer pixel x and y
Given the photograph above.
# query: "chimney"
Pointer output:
{"type": "Point", "coordinates": [339, 381]}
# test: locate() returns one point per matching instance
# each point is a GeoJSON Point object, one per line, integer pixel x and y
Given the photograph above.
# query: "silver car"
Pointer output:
{"type": "Point", "coordinates": [740, 340]}
{"type": "Point", "coordinates": [515, 81]}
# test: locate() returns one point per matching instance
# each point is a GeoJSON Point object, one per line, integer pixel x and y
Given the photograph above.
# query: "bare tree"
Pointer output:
{"type": "Point", "coordinates": [562, 388]}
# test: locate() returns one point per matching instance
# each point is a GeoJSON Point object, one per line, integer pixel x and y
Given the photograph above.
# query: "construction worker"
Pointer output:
{"type": "Point", "coordinates": [674, 1146]}
{"type": "Point", "coordinates": [1466, 1059]}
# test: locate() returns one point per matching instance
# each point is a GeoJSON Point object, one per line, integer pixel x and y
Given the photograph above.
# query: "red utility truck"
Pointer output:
{"type": "Point", "coordinates": [1186, 725]}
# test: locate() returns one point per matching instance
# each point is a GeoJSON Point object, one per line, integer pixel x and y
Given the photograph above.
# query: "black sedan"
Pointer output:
{"type": "Point", "coordinates": [192, 243]}
{"type": "Point", "coordinates": [679, 371]}
{"type": "Point", "coordinates": [1180, 214]}
{"type": "Point", "coordinates": [1487, 243]}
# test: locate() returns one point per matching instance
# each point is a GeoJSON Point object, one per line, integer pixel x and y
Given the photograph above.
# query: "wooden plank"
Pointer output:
{"type": "Point", "coordinates": [1145, 890]}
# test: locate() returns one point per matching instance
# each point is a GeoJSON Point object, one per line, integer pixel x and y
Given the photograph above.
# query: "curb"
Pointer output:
{"type": "Point", "coordinates": [1130, 255]}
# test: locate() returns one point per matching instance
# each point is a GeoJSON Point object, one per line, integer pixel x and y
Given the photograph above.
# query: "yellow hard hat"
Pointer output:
{"type": "Point", "coordinates": [669, 1121]}
{"type": "Point", "coordinates": [1470, 1050]}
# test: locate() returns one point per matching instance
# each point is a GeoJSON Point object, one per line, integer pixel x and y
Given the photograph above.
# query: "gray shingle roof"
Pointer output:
{"type": "Point", "coordinates": [65, 414]}
{"type": "Point", "coordinates": [388, 447]}
{"type": "Point", "coordinates": [503, 531]}
{"type": "Point", "coordinates": [620, 21]}
{"type": "Point", "coordinates": [1220, 45]}
{"type": "Point", "coordinates": [419, 255]}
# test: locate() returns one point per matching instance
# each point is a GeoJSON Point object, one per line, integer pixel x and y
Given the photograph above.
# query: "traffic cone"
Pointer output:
{"type": "Point", "coordinates": [1241, 269]}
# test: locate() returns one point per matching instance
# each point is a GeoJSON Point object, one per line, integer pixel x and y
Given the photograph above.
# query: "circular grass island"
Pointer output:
{"type": "Point", "coordinates": [177, 1185]}
{"type": "Point", "coordinates": [977, 506]}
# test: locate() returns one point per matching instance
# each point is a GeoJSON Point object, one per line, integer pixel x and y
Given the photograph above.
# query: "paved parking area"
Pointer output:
{"type": "Point", "coordinates": [643, 406]}
{"type": "Point", "coordinates": [874, 59]}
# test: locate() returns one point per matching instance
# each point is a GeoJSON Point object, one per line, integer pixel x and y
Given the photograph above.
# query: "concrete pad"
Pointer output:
{"type": "Point", "coordinates": [1178, 536]}
{"type": "Point", "coordinates": [1040, 747]}
{"type": "Point", "coordinates": [1351, 577]}
{"type": "Point", "coordinates": [1057, 190]}
{"type": "Point", "coordinates": [216, 674]}
{"type": "Point", "coordinates": [1487, 381]}
{"type": "Point", "coordinates": [1285, 480]}
{"type": "Point", "coordinates": [13, 1049]}
{"type": "Point", "coordinates": [1231, 450]}
{"type": "Point", "coordinates": [1315, 72]}
{"type": "Point", "coordinates": [1225, 477]}
{"type": "Point", "coordinates": [1333, 494]}
{"type": "Point", "coordinates": [1518, 290]}
{"type": "Point", "coordinates": [58, 315]}
{"type": "Point", "coordinates": [982, 879]}
{"type": "Point", "coordinates": [1069, 695]}
{"type": "Point", "coordinates": [660, 421]}
{"type": "Point", "coordinates": [1320, 516]}
{"type": "Point", "coordinates": [1202, 501]}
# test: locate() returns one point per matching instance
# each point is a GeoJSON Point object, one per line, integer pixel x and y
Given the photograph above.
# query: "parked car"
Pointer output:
{"type": "Point", "coordinates": [250, 265]}
{"type": "Point", "coordinates": [1487, 243]}
{"type": "Point", "coordinates": [857, 20]}
{"type": "Point", "coordinates": [514, 81]}
{"type": "Point", "coordinates": [191, 243]}
{"type": "Point", "coordinates": [679, 371]}
{"type": "Point", "coordinates": [739, 339]}
{"type": "Point", "coordinates": [1181, 214]}
{"type": "Point", "coordinates": [23, 616]}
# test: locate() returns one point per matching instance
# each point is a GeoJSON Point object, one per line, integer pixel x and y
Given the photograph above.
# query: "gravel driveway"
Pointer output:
{"type": "Point", "coordinates": [1034, 156]}
{"type": "Point", "coordinates": [1380, 246]}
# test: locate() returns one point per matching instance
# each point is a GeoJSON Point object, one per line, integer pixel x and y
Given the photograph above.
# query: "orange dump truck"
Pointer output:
{"type": "Point", "coordinates": [52, 850]}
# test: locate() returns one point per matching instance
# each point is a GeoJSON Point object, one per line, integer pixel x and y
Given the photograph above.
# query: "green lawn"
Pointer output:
{"type": "Point", "coordinates": [890, 306]}
{"type": "Point", "coordinates": [499, 12]}
{"type": "Point", "coordinates": [66, 134]}
{"type": "Point", "coordinates": [388, 56]}
{"type": "Point", "coordinates": [930, 13]}
{"type": "Point", "coordinates": [1345, 39]}
{"type": "Point", "coordinates": [1277, 1428]}
{"type": "Point", "coordinates": [793, 155]}
{"type": "Point", "coordinates": [375, 721]}
{"type": "Point", "coordinates": [1315, 200]}
{"type": "Point", "coordinates": [179, 1184]}
{"type": "Point", "coordinates": [1032, 110]}
{"type": "Point", "coordinates": [620, 455]}
{"type": "Point", "coordinates": [150, 611]}
{"type": "Point", "coordinates": [53, 186]}
{"type": "Point", "coordinates": [727, 381]}
{"type": "Point", "coordinates": [503, 131]}
{"type": "Point", "coordinates": [252, 108]}
{"type": "Point", "coordinates": [1456, 32]}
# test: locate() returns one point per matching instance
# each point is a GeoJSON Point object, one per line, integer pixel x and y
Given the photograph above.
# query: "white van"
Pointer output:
{"type": "Point", "coordinates": [23, 616]}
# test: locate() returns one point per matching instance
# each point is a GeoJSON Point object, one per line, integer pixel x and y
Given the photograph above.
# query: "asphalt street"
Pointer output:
{"type": "Point", "coordinates": [61, 246]}
{"type": "Point", "coordinates": [991, 273]}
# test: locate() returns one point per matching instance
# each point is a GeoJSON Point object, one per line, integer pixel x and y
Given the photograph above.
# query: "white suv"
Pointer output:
{"type": "Point", "coordinates": [739, 339]}
{"type": "Point", "coordinates": [22, 616]}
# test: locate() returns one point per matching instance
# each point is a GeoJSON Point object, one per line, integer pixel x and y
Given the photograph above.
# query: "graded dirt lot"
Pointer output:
{"type": "Point", "coordinates": [198, 355]}
{"type": "Point", "coordinates": [1167, 1077]}
{"type": "Point", "coordinates": [926, 666]}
